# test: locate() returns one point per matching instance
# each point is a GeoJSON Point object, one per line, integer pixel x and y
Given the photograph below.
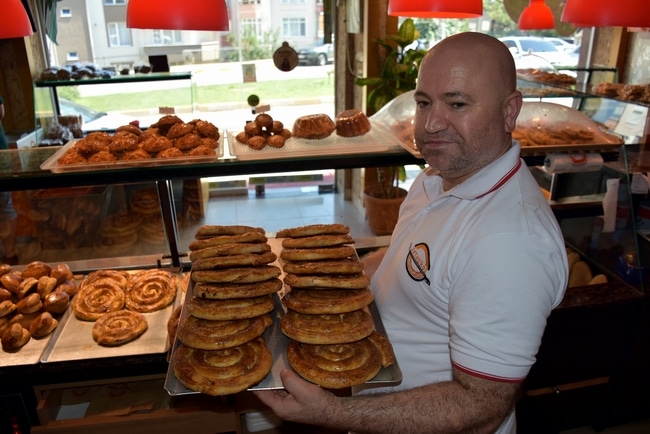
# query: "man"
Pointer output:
{"type": "Point", "coordinates": [475, 265]}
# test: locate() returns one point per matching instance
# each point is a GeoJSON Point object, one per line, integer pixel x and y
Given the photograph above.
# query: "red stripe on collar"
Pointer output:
{"type": "Point", "coordinates": [503, 180]}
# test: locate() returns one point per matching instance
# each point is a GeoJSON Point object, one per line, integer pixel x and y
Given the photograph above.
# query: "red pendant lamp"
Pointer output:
{"type": "Point", "coordinates": [436, 8]}
{"type": "Point", "coordinates": [598, 13]}
{"type": "Point", "coordinates": [211, 15]}
{"type": "Point", "coordinates": [536, 16]}
{"type": "Point", "coordinates": [14, 21]}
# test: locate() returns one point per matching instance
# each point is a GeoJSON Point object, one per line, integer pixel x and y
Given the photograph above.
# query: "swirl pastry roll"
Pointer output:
{"type": "Point", "coordinates": [218, 335]}
{"type": "Point", "coordinates": [335, 366]}
{"type": "Point", "coordinates": [232, 309]}
{"type": "Point", "coordinates": [99, 298]}
{"type": "Point", "coordinates": [222, 372]}
{"type": "Point", "coordinates": [150, 290]}
{"type": "Point", "coordinates": [327, 328]}
{"type": "Point", "coordinates": [330, 301]}
{"type": "Point", "coordinates": [226, 291]}
{"type": "Point", "coordinates": [119, 327]}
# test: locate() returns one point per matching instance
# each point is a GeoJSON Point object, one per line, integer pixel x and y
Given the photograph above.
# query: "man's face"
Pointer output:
{"type": "Point", "coordinates": [460, 115]}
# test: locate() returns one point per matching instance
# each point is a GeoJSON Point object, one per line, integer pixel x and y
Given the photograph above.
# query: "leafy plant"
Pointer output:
{"type": "Point", "coordinates": [398, 74]}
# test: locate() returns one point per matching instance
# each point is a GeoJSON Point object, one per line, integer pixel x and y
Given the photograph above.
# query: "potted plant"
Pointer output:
{"type": "Point", "coordinates": [382, 194]}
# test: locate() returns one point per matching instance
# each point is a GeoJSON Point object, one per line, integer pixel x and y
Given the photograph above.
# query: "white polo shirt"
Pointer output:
{"type": "Point", "coordinates": [471, 276]}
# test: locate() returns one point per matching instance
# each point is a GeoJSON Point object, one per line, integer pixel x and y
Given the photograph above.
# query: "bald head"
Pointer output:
{"type": "Point", "coordinates": [487, 56]}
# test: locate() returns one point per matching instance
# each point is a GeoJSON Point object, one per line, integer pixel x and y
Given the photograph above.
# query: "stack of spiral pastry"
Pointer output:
{"type": "Point", "coordinates": [32, 301]}
{"type": "Point", "coordinates": [221, 348]}
{"type": "Point", "coordinates": [150, 231]}
{"type": "Point", "coordinates": [333, 342]}
{"type": "Point", "coordinates": [117, 302]}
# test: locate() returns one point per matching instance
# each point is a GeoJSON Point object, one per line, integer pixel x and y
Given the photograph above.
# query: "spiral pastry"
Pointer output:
{"type": "Point", "coordinates": [224, 310]}
{"type": "Point", "coordinates": [219, 335]}
{"type": "Point", "coordinates": [150, 290]}
{"type": "Point", "coordinates": [327, 328]}
{"type": "Point", "coordinates": [119, 327]}
{"type": "Point", "coordinates": [335, 366]}
{"type": "Point", "coordinates": [222, 372]}
{"type": "Point", "coordinates": [97, 299]}
{"type": "Point", "coordinates": [327, 301]}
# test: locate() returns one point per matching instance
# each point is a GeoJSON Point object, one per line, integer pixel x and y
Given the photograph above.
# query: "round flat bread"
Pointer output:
{"type": "Point", "coordinates": [206, 334]}
{"type": "Point", "coordinates": [210, 231]}
{"type": "Point", "coordinates": [247, 237]}
{"type": "Point", "coordinates": [237, 275]}
{"type": "Point", "coordinates": [310, 230]}
{"type": "Point", "coordinates": [251, 259]}
{"type": "Point", "coordinates": [327, 329]}
{"type": "Point", "coordinates": [226, 291]}
{"type": "Point", "coordinates": [317, 241]}
{"type": "Point", "coordinates": [225, 310]}
{"type": "Point", "coordinates": [317, 254]}
{"type": "Point", "coordinates": [230, 249]}
{"type": "Point", "coordinates": [338, 266]}
{"type": "Point", "coordinates": [329, 301]}
{"type": "Point", "coordinates": [222, 372]}
{"type": "Point", "coordinates": [335, 366]}
{"type": "Point", "coordinates": [350, 281]}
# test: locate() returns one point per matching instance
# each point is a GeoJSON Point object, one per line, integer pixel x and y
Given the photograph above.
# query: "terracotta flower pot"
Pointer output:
{"type": "Point", "coordinates": [381, 213]}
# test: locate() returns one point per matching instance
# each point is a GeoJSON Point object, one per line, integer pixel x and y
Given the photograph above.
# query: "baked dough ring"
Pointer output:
{"type": "Point", "coordinates": [150, 290]}
{"type": "Point", "coordinates": [206, 334]}
{"type": "Point", "coordinates": [97, 299]}
{"type": "Point", "coordinates": [349, 281]}
{"type": "Point", "coordinates": [329, 301]}
{"type": "Point", "coordinates": [311, 230]}
{"type": "Point", "coordinates": [226, 291]}
{"type": "Point", "coordinates": [317, 254]}
{"type": "Point", "coordinates": [246, 237]}
{"type": "Point", "coordinates": [222, 372]}
{"type": "Point", "coordinates": [327, 328]}
{"type": "Point", "coordinates": [335, 366]}
{"type": "Point", "coordinates": [317, 241]}
{"type": "Point", "coordinates": [210, 231]}
{"type": "Point", "coordinates": [119, 327]}
{"type": "Point", "coordinates": [226, 310]}
{"type": "Point", "coordinates": [230, 249]}
{"type": "Point", "coordinates": [251, 259]}
{"type": "Point", "coordinates": [237, 275]}
{"type": "Point", "coordinates": [339, 266]}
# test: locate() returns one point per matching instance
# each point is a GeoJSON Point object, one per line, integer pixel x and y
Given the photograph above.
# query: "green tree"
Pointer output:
{"type": "Point", "coordinates": [252, 46]}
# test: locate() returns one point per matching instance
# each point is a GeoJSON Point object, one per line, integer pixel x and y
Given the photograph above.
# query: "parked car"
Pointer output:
{"type": "Point", "coordinates": [319, 55]}
{"type": "Point", "coordinates": [520, 45]}
{"type": "Point", "coordinates": [562, 44]}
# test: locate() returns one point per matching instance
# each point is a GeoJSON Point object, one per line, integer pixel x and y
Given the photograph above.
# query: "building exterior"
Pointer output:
{"type": "Point", "coordinates": [95, 31]}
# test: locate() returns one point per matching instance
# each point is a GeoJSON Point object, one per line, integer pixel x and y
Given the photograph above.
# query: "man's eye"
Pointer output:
{"type": "Point", "coordinates": [458, 105]}
{"type": "Point", "coordinates": [422, 104]}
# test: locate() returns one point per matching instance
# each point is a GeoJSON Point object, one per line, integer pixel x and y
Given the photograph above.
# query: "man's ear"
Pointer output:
{"type": "Point", "coordinates": [512, 106]}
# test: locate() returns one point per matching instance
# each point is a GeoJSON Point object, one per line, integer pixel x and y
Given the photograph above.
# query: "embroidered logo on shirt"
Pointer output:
{"type": "Point", "coordinates": [418, 262]}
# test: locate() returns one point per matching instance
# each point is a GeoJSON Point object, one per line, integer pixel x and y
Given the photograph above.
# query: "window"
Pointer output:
{"type": "Point", "coordinates": [287, 2]}
{"type": "Point", "coordinates": [252, 26]}
{"type": "Point", "coordinates": [166, 37]}
{"type": "Point", "coordinates": [72, 56]}
{"type": "Point", "coordinates": [118, 35]}
{"type": "Point", "coordinates": [114, 2]}
{"type": "Point", "coordinates": [250, 2]}
{"type": "Point", "coordinates": [293, 27]}
{"type": "Point", "coordinates": [66, 13]}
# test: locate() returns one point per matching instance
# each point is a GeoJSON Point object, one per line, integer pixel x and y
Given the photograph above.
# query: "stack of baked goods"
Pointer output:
{"type": "Point", "coordinates": [263, 131]}
{"type": "Point", "coordinates": [220, 346]}
{"type": "Point", "coordinates": [32, 301]}
{"type": "Point", "coordinates": [170, 137]}
{"type": "Point", "coordinates": [333, 342]}
{"type": "Point", "coordinates": [151, 232]}
{"type": "Point", "coordinates": [118, 301]}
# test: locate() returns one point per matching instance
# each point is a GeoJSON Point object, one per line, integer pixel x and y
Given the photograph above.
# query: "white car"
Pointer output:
{"type": "Point", "coordinates": [562, 44]}
{"type": "Point", "coordinates": [520, 45]}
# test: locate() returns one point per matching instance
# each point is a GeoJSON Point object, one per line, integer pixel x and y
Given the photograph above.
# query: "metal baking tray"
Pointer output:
{"type": "Point", "coordinates": [277, 343]}
{"type": "Point", "coordinates": [52, 165]}
{"type": "Point", "coordinates": [73, 339]}
{"type": "Point", "coordinates": [375, 140]}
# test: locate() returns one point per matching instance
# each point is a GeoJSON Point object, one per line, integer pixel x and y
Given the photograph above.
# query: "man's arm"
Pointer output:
{"type": "Point", "coordinates": [466, 404]}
